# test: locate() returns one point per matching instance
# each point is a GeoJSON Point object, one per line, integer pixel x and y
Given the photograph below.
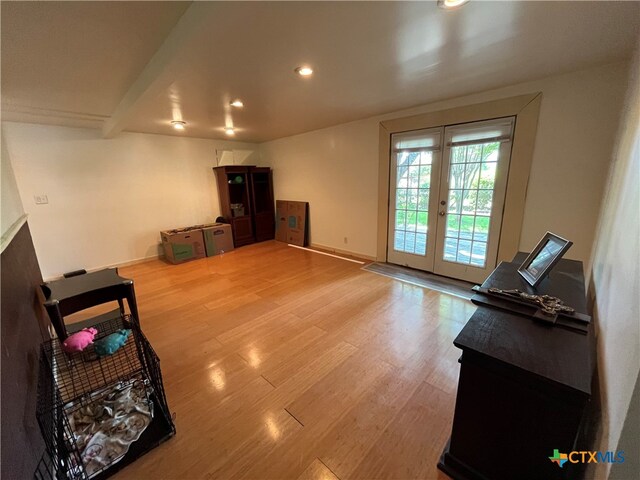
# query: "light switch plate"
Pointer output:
{"type": "Point", "coordinates": [41, 199]}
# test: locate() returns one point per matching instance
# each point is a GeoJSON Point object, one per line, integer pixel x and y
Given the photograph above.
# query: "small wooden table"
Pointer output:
{"type": "Point", "coordinates": [524, 387]}
{"type": "Point", "coordinates": [69, 295]}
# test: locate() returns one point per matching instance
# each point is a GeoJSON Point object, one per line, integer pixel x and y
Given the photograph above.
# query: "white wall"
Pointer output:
{"type": "Point", "coordinates": [616, 276]}
{"type": "Point", "coordinates": [109, 199]}
{"type": "Point", "coordinates": [335, 169]}
{"type": "Point", "coordinates": [11, 205]}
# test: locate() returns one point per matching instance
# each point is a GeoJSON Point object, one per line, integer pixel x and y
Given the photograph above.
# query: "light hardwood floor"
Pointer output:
{"type": "Point", "coordinates": [282, 363]}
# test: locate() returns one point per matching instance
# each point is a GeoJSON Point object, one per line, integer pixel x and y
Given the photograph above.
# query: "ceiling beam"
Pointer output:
{"type": "Point", "coordinates": [156, 74]}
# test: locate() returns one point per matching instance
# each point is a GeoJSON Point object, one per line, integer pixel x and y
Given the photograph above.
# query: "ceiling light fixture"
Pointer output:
{"type": "Point", "coordinates": [229, 131]}
{"type": "Point", "coordinates": [178, 124]}
{"type": "Point", "coordinates": [451, 4]}
{"type": "Point", "coordinates": [237, 103]}
{"type": "Point", "coordinates": [304, 71]}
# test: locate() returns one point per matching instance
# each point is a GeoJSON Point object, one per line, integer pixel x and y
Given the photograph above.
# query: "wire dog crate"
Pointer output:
{"type": "Point", "coordinates": [86, 403]}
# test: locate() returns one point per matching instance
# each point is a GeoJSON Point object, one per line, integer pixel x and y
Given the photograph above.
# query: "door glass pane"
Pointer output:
{"type": "Point", "coordinates": [422, 221]}
{"type": "Point", "coordinates": [453, 226]}
{"type": "Point", "coordinates": [401, 198]}
{"type": "Point", "coordinates": [455, 201]}
{"type": "Point", "coordinates": [481, 229]}
{"type": "Point", "coordinates": [469, 198]}
{"type": "Point", "coordinates": [413, 180]}
{"type": "Point", "coordinates": [414, 176]}
{"type": "Point", "coordinates": [472, 176]}
{"type": "Point", "coordinates": [423, 200]}
{"type": "Point", "coordinates": [487, 175]}
{"type": "Point", "coordinates": [474, 153]}
{"type": "Point", "coordinates": [478, 253]}
{"type": "Point", "coordinates": [450, 249]}
{"type": "Point", "coordinates": [410, 242]}
{"type": "Point", "coordinates": [411, 221]}
{"type": "Point", "coordinates": [458, 155]}
{"type": "Point", "coordinates": [413, 199]}
{"type": "Point", "coordinates": [464, 251]}
{"type": "Point", "coordinates": [421, 243]}
{"type": "Point", "coordinates": [466, 226]}
{"type": "Point", "coordinates": [425, 176]}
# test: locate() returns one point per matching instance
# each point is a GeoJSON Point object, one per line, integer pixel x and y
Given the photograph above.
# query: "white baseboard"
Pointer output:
{"type": "Point", "coordinates": [348, 253]}
{"type": "Point", "coordinates": [127, 263]}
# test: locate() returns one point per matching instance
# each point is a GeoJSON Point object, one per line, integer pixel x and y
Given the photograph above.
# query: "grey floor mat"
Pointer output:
{"type": "Point", "coordinates": [458, 288]}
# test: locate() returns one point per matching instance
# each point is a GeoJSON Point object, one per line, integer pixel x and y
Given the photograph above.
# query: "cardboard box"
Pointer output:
{"type": "Point", "coordinates": [291, 226]}
{"type": "Point", "coordinates": [297, 223]}
{"type": "Point", "coordinates": [217, 238]}
{"type": "Point", "coordinates": [281, 220]}
{"type": "Point", "coordinates": [182, 245]}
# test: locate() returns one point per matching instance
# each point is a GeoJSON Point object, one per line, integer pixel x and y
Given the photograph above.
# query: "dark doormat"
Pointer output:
{"type": "Point", "coordinates": [459, 288]}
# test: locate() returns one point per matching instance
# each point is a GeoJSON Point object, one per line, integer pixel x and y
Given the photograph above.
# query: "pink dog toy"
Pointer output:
{"type": "Point", "coordinates": [79, 340]}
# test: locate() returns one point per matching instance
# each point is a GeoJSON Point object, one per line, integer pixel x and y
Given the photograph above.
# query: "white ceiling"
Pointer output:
{"type": "Point", "coordinates": [135, 66]}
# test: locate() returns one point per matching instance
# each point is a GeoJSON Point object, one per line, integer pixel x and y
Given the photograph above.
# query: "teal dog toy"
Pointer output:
{"type": "Point", "coordinates": [111, 343]}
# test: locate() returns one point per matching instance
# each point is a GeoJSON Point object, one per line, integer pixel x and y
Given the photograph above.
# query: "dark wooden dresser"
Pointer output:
{"type": "Point", "coordinates": [524, 387]}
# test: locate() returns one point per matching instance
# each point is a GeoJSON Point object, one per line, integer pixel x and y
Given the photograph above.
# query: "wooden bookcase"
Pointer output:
{"type": "Point", "coordinates": [246, 202]}
{"type": "Point", "coordinates": [261, 182]}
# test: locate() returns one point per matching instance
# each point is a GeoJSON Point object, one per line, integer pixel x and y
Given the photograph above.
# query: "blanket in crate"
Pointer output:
{"type": "Point", "coordinates": [106, 427]}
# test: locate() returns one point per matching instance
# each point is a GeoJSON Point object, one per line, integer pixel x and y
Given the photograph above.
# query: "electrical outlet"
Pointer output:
{"type": "Point", "coordinates": [346, 240]}
{"type": "Point", "coordinates": [41, 199]}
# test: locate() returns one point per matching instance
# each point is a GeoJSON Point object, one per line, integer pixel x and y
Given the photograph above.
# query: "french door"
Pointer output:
{"type": "Point", "coordinates": [415, 173]}
{"type": "Point", "coordinates": [447, 188]}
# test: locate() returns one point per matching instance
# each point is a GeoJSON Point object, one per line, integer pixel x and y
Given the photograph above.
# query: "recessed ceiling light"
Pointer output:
{"type": "Point", "coordinates": [178, 124]}
{"type": "Point", "coordinates": [451, 4]}
{"type": "Point", "coordinates": [304, 71]}
{"type": "Point", "coordinates": [229, 131]}
{"type": "Point", "coordinates": [237, 103]}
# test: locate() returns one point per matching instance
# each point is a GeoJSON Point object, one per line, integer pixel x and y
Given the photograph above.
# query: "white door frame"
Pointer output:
{"type": "Point", "coordinates": [526, 108]}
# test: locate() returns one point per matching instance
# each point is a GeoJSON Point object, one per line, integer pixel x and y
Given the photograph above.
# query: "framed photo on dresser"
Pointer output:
{"type": "Point", "coordinates": [541, 260]}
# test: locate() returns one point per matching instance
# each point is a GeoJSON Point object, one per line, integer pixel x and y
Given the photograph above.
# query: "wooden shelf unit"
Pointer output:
{"type": "Point", "coordinates": [252, 187]}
